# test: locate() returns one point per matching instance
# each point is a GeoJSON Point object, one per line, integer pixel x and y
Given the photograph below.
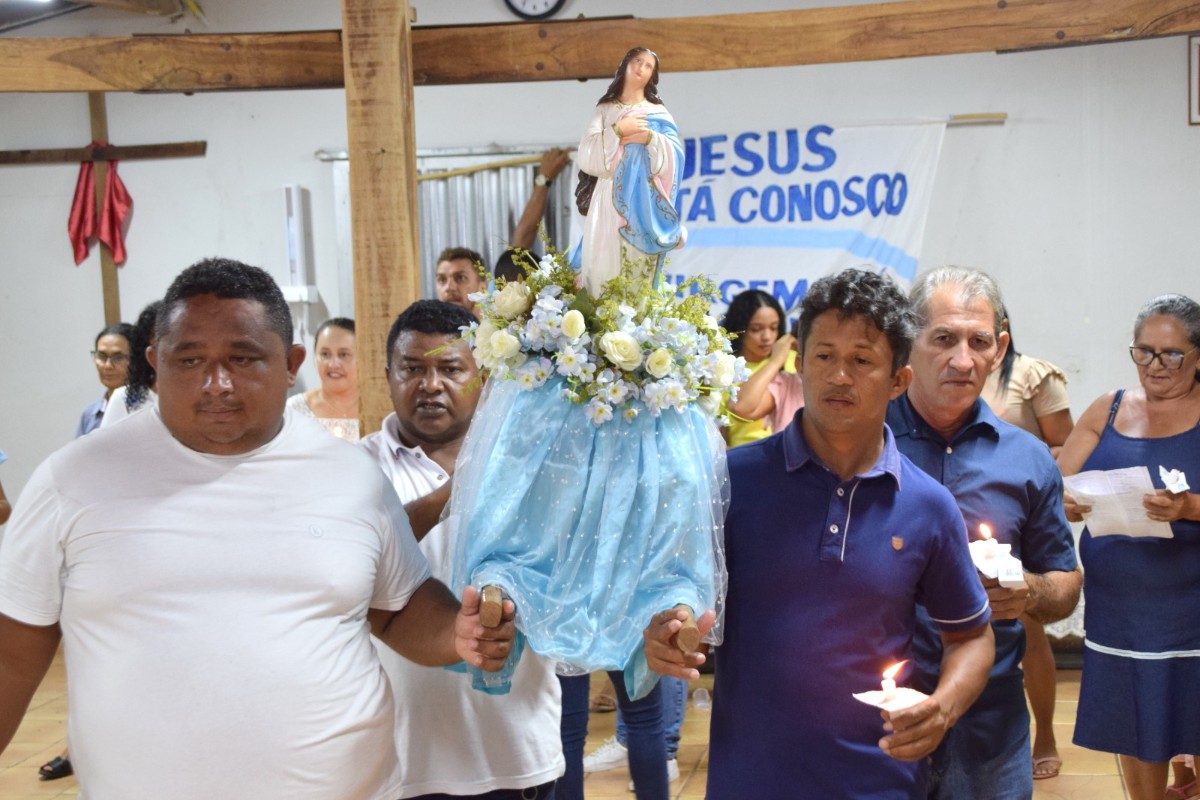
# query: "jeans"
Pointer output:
{"type": "Point", "coordinates": [1008, 775]}
{"type": "Point", "coordinates": [644, 721]}
{"type": "Point", "coordinates": [543, 792]}
{"type": "Point", "coordinates": [674, 703]}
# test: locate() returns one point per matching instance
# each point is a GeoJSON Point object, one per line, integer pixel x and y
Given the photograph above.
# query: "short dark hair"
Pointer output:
{"type": "Point", "coordinates": [122, 329]}
{"type": "Point", "coordinates": [859, 292]}
{"type": "Point", "coordinates": [456, 253]}
{"type": "Point", "coordinates": [429, 316]}
{"type": "Point", "coordinates": [229, 280]}
{"type": "Point", "coordinates": [742, 309]}
{"type": "Point", "coordinates": [514, 264]}
{"type": "Point", "coordinates": [141, 375]}
{"type": "Point", "coordinates": [345, 323]}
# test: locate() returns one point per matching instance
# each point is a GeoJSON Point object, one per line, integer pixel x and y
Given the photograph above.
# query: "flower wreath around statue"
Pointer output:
{"type": "Point", "coordinates": [591, 486]}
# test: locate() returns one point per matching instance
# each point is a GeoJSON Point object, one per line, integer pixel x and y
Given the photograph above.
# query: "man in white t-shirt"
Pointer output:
{"type": "Point", "coordinates": [214, 569]}
{"type": "Point", "coordinates": [453, 740]}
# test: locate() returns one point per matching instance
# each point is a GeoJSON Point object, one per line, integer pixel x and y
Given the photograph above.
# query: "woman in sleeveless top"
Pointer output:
{"type": "Point", "coordinates": [1140, 693]}
{"type": "Point", "coordinates": [334, 403]}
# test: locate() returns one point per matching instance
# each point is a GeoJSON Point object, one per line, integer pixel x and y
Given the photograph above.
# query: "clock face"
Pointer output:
{"type": "Point", "coordinates": [535, 9]}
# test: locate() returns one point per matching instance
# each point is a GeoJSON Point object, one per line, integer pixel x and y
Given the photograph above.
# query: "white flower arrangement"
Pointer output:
{"type": "Point", "coordinates": [636, 348]}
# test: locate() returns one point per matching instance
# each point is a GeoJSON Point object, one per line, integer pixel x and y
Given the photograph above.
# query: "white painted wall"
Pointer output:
{"type": "Point", "coordinates": [1083, 203]}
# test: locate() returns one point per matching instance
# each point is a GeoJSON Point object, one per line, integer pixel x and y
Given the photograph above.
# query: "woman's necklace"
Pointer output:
{"type": "Point", "coordinates": [346, 410]}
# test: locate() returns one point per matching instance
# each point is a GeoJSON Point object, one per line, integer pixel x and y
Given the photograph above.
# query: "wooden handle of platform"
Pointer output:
{"type": "Point", "coordinates": [491, 606]}
{"type": "Point", "coordinates": [687, 638]}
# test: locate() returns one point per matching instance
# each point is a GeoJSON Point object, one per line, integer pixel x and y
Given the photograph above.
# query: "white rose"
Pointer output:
{"type": "Point", "coordinates": [621, 349]}
{"type": "Point", "coordinates": [710, 322]}
{"type": "Point", "coordinates": [573, 325]}
{"type": "Point", "coordinates": [659, 363]}
{"type": "Point", "coordinates": [483, 343]}
{"type": "Point", "coordinates": [723, 374]}
{"type": "Point", "coordinates": [710, 403]}
{"type": "Point", "coordinates": [504, 345]}
{"type": "Point", "coordinates": [513, 300]}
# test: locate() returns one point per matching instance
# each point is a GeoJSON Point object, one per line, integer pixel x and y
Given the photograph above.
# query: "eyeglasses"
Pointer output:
{"type": "Point", "coordinates": [116, 359]}
{"type": "Point", "coordinates": [1170, 359]}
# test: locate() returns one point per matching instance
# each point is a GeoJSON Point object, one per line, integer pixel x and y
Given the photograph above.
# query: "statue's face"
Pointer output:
{"type": "Point", "coordinates": [640, 70]}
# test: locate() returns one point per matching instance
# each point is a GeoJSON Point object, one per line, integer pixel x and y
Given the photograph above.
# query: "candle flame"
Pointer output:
{"type": "Point", "coordinates": [891, 671]}
{"type": "Point", "coordinates": [985, 530]}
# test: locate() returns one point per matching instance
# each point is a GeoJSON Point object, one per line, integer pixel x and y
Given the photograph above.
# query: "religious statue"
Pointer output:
{"type": "Point", "coordinates": [629, 160]}
{"type": "Point", "coordinates": [590, 488]}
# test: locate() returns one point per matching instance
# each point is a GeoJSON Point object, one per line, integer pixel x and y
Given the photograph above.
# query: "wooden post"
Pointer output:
{"type": "Point", "coordinates": [108, 268]}
{"type": "Point", "coordinates": [383, 188]}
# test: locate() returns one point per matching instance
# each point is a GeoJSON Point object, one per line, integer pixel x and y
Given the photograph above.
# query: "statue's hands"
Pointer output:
{"type": "Point", "coordinates": [632, 128]}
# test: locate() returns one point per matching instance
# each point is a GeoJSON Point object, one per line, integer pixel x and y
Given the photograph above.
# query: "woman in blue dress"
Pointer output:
{"type": "Point", "coordinates": [1140, 692]}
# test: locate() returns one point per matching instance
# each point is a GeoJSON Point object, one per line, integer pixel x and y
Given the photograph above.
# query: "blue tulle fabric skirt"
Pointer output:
{"type": "Point", "coordinates": [591, 530]}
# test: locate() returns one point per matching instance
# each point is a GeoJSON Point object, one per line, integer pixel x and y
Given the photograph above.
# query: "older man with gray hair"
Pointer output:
{"type": "Point", "coordinates": [1005, 478]}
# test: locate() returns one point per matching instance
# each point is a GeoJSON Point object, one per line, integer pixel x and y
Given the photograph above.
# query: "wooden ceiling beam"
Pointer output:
{"type": "Point", "coordinates": [565, 50]}
{"type": "Point", "coordinates": [74, 155]}
{"type": "Point", "coordinates": [177, 63]}
{"type": "Point", "coordinates": [160, 8]}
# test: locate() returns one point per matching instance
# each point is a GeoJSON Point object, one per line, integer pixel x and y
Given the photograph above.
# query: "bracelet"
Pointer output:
{"type": "Point", "coordinates": [616, 130]}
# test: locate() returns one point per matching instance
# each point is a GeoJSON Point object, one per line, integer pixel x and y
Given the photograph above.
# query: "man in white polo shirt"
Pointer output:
{"type": "Point", "coordinates": [453, 740]}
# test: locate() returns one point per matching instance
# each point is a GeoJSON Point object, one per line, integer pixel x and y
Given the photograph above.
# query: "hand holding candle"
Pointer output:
{"type": "Point", "coordinates": [889, 696]}
{"type": "Point", "coordinates": [991, 548]}
{"type": "Point", "coordinates": [995, 560]}
{"type": "Point", "coordinates": [889, 680]}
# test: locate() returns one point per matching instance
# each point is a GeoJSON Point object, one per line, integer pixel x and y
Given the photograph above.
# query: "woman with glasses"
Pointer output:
{"type": "Point", "coordinates": [111, 356]}
{"type": "Point", "coordinates": [138, 391]}
{"type": "Point", "coordinates": [1140, 692]}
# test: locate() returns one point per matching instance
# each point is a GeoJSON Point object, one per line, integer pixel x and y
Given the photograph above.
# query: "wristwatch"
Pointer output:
{"type": "Point", "coordinates": [541, 180]}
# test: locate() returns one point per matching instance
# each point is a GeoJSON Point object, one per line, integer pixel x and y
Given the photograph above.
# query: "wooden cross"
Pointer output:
{"type": "Point", "coordinates": [100, 156]}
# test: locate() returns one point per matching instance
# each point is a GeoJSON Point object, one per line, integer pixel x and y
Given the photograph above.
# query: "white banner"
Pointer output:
{"type": "Point", "coordinates": [775, 210]}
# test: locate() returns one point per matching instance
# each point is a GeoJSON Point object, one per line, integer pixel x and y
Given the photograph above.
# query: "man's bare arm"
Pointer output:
{"type": "Point", "coordinates": [426, 511]}
{"type": "Point", "coordinates": [525, 234]}
{"type": "Point", "coordinates": [967, 659]}
{"type": "Point", "coordinates": [25, 654]}
{"type": "Point", "coordinates": [435, 630]}
{"type": "Point", "coordinates": [1053, 595]}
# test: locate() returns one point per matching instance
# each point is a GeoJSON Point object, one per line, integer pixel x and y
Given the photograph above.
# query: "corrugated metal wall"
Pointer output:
{"type": "Point", "coordinates": [476, 210]}
{"type": "Point", "coordinates": [480, 209]}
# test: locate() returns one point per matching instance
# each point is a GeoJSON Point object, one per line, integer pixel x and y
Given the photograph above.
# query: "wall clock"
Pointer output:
{"type": "Point", "coordinates": [535, 9]}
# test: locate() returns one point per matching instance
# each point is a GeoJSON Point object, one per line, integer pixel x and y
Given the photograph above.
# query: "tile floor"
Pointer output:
{"type": "Point", "coordinates": [1085, 773]}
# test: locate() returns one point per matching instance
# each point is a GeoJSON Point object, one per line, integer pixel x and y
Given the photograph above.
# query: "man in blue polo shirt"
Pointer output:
{"type": "Point", "coordinates": [1004, 477]}
{"type": "Point", "coordinates": [832, 539]}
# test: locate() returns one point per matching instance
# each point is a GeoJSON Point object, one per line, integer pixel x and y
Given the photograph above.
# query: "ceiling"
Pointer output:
{"type": "Point", "coordinates": [19, 13]}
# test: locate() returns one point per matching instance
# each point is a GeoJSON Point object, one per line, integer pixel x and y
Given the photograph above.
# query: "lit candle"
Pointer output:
{"type": "Point", "coordinates": [991, 547]}
{"type": "Point", "coordinates": [889, 680]}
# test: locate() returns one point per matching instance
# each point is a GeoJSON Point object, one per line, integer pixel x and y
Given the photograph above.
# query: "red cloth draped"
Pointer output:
{"type": "Point", "coordinates": [82, 225]}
